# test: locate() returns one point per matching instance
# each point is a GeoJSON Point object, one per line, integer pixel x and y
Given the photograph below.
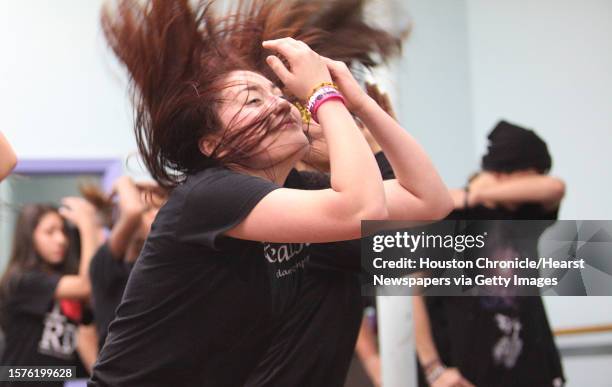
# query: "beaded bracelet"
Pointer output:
{"type": "Point", "coordinates": [304, 112]}
{"type": "Point", "coordinates": [317, 95]}
{"type": "Point", "coordinates": [324, 98]}
{"type": "Point", "coordinates": [434, 374]}
{"type": "Point", "coordinates": [320, 85]}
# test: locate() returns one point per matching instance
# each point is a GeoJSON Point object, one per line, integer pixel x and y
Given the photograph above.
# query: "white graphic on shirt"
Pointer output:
{"type": "Point", "coordinates": [508, 348]}
{"type": "Point", "coordinates": [59, 335]}
{"type": "Point", "coordinates": [282, 252]}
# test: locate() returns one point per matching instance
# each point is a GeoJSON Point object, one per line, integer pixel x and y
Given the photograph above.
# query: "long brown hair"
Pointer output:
{"type": "Point", "coordinates": [332, 28]}
{"type": "Point", "coordinates": [24, 256]}
{"type": "Point", "coordinates": [178, 55]}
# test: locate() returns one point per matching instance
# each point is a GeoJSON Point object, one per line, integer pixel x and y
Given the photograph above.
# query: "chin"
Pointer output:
{"type": "Point", "coordinates": [55, 261]}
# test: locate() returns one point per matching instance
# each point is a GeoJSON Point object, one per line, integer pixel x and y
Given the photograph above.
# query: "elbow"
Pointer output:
{"type": "Point", "coordinates": [446, 206]}
{"type": "Point", "coordinates": [557, 190]}
{"type": "Point", "coordinates": [377, 211]}
{"type": "Point", "coordinates": [7, 165]}
{"type": "Point", "coordinates": [12, 162]}
{"type": "Point", "coordinates": [85, 287]}
{"type": "Point", "coordinates": [441, 206]}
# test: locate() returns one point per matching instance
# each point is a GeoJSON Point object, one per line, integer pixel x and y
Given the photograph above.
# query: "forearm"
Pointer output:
{"type": "Point", "coordinates": [131, 208]}
{"type": "Point", "coordinates": [366, 343]}
{"type": "Point", "coordinates": [413, 168]}
{"type": "Point", "coordinates": [351, 161]}
{"type": "Point", "coordinates": [90, 242]}
{"type": "Point", "coordinates": [122, 232]}
{"type": "Point", "coordinates": [425, 346]}
{"type": "Point", "coordinates": [459, 197]}
{"type": "Point", "coordinates": [539, 189]}
{"type": "Point", "coordinates": [87, 346]}
{"type": "Point", "coordinates": [367, 351]}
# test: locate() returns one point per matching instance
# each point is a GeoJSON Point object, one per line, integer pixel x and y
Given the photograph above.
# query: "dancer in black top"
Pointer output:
{"type": "Point", "coordinates": [496, 341]}
{"type": "Point", "coordinates": [42, 292]}
{"type": "Point", "coordinates": [214, 290]}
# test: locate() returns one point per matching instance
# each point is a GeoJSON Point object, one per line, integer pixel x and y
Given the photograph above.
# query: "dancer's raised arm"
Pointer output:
{"type": "Point", "coordinates": [418, 192]}
{"type": "Point", "coordinates": [324, 215]}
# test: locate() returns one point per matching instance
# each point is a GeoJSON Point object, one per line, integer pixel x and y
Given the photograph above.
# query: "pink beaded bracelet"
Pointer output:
{"type": "Point", "coordinates": [318, 94]}
{"type": "Point", "coordinates": [323, 99]}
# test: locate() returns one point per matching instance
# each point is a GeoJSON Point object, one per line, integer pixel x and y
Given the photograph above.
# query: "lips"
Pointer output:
{"type": "Point", "coordinates": [287, 123]}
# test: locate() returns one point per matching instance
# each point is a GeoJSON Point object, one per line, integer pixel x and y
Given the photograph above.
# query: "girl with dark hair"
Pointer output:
{"type": "Point", "coordinates": [213, 294]}
{"type": "Point", "coordinates": [8, 160]}
{"type": "Point", "coordinates": [487, 340]}
{"type": "Point", "coordinates": [42, 290]}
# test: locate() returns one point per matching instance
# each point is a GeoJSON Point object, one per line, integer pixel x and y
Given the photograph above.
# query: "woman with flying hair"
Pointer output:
{"type": "Point", "coordinates": [217, 284]}
{"type": "Point", "coordinates": [331, 293]}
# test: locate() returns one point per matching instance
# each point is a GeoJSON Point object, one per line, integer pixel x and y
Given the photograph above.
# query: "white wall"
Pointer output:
{"type": "Point", "coordinates": [433, 82]}
{"type": "Point", "coordinates": [62, 95]}
{"type": "Point", "coordinates": [547, 64]}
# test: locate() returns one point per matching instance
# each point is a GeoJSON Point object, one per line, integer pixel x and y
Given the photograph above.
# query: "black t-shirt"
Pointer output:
{"type": "Point", "coordinates": [201, 308]}
{"type": "Point", "coordinates": [327, 313]}
{"type": "Point", "coordinates": [324, 320]}
{"type": "Point", "coordinates": [39, 330]}
{"type": "Point", "coordinates": [109, 276]}
{"type": "Point", "coordinates": [497, 341]}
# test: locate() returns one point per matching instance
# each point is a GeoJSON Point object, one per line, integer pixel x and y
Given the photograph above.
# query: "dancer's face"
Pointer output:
{"type": "Point", "coordinates": [50, 240]}
{"type": "Point", "coordinates": [246, 98]}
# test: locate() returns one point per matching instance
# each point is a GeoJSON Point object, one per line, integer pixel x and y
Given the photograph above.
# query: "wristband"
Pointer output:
{"type": "Point", "coordinates": [435, 373]}
{"type": "Point", "coordinates": [322, 100]}
{"type": "Point", "coordinates": [318, 94]}
{"type": "Point", "coordinates": [322, 84]}
{"type": "Point", "coordinates": [430, 364]}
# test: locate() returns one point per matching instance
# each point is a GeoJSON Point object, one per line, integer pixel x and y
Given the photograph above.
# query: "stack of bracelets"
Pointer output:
{"type": "Point", "coordinates": [322, 93]}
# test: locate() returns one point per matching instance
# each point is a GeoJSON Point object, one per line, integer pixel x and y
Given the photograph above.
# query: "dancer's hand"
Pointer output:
{"type": "Point", "coordinates": [481, 182]}
{"type": "Point", "coordinates": [356, 97]}
{"type": "Point", "coordinates": [79, 212]}
{"type": "Point", "coordinates": [306, 69]}
{"type": "Point", "coordinates": [451, 377]}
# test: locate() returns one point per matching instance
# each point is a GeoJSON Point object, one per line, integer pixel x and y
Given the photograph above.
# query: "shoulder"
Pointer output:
{"type": "Point", "coordinates": [217, 186]}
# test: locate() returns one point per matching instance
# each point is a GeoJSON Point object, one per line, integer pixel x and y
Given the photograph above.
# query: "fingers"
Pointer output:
{"type": "Point", "coordinates": [335, 67]}
{"type": "Point", "coordinates": [279, 68]}
{"type": "Point", "coordinates": [64, 212]}
{"type": "Point", "coordinates": [287, 47]}
{"type": "Point", "coordinates": [70, 202]}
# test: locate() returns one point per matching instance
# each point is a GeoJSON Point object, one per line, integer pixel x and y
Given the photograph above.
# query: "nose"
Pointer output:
{"type": "Point", "coordinates": [280, 102]}
{"type": "Point", "coordinates": [61, 239]}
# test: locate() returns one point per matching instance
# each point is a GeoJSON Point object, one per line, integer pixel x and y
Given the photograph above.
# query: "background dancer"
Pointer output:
{"type": "Point", "coordinates": [495, 341]}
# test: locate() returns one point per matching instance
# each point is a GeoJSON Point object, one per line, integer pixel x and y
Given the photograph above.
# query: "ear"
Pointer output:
{"type": "Point", "coordinates": [207, 146]}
